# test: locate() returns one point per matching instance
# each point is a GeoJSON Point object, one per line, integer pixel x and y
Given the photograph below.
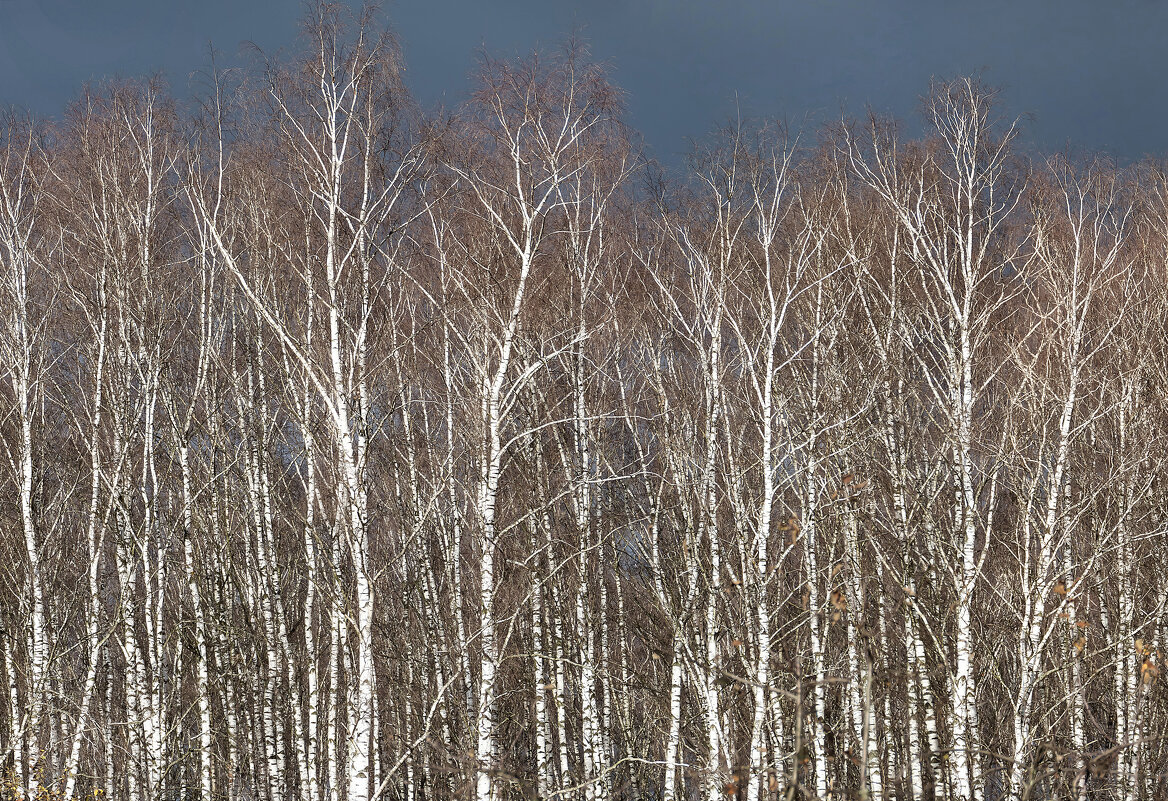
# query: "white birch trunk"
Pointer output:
{"type": "Point", "coordinates": [94, 539]}
{"type": "Point", "coordinates": [1125, 681]}
{"type": "Point", "coordinates": [543, 731]}
{"type": "Point", "coordinates": [673, 743]}
{"type": "Point", "coordinates": [757, 787]}
{"type": "Point", "coordinates": [966, 775]}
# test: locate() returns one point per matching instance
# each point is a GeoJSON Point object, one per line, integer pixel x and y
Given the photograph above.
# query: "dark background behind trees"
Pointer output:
{"type": "Point", "coordinates": [1088, 72]}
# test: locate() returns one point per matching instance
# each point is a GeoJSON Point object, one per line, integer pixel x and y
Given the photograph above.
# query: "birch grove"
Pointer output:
{"type": "Point", "coordinates": [352, 451]}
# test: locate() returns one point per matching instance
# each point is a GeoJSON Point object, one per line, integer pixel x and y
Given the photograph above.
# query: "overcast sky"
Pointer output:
{"type": "Point", "coordinates": [1093, 74]}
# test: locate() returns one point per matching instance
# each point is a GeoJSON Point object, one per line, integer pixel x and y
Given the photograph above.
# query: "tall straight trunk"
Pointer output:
{"type": "Point", "coordinates": [1032, 638]}
{"type": "Point", "coordinates": [489, 484]}
{"type": "Point", "coordinates": [757, 787]}
{"type": "Point", "coordinates": [810, 504]}
{"type": "Point", "coordinates": [545, 597]}
{"type": "Point", "coordinates": [605, 712]}
{"type": "Point", "coordinates": [673, 743]}
{"type": "Point", "coordinates": [94, 538]}
{"type": "Point", "coordinates": [709, 526]}
{"type": "Point", "coordinates": [871, 753]}
{"type": "Point", "coordinates": [16, 734]}
{"type": "Point", "coordinates": [1077, 624]}
{"type": "Point", "coordinates": [1125, 687]}
{"type": "Point", "coordinates": [140, 702]}
{"type": "Point", "coordinates": [561, 691]}
{"type": "Point", "coordinates": [366, 687]}
{"type": "Point", "coordinates": [966, 749]}
{"type": "Point", "coordinates": [310, 736]}
{"type": "Point", "coordinates": [110, 781]}
{"type": "Point", "coordinates": [152, 666]}
{"type": "Point", "coordinates": [816, 645]}
{"type": "Point", "coordinates": [543, 731]}
{"type": "Point", "coordinates": [204, 764]}
{"type": "Point", "coordinates": [263, 577]}
{"type": "Point", "coordinates": [586, 655]}
{"type": "Point", "coordinates": [37, 648]}
{"type": "Point", "coordinates": [672, 756]}
{"type": "Point", "coordinates": [19, 358]}
{"type": "Point", "coordinates": [337, 694]}
{"type": "Point", "coordinates": [314, 774]}
{"type": "Point", "coordinates": [590, 717]}
{"type": "Point", "coordinates": [492, 420]}
{"type": "Point", "coordinates": [623, 712]}
{"type": "Point", "coordinates": [892, 742]}
{"type": "Point", "coordinates": [922, 721]}
{"type": "Point", "coordinates": [586, 634]}
{"type": "Point", "coordinates": [924, 700]}
{"type": "Point", "coordinates": [359, 746]}
{"type": "Point", "coordinates": [455, 514]}
{"type": "Point", "coordinates": [861, 665]}
{"type": "Point", "coordinates": [852, 614]}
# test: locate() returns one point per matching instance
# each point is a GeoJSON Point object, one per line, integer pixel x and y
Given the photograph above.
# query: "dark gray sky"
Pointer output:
{"type": "Point", "coordinates": [1093, 74]}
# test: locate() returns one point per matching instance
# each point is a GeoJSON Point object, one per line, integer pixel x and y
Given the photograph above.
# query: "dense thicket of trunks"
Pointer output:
{"type": "Point", "coordinates": [349, 453]}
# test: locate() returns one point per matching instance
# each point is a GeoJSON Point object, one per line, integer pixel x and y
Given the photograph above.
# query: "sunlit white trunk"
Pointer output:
{"type": "Point", "coordinates": [543, 730]}
{"type": "Point", "coordinates": [966, 774]}
{"type": "Point", "coordinates": [811, 546]}
{"type": "Point", "coordinates": [16, 732]}
{"type": "Point", "coordinates": [18, 354]}
{"type": "Point", "coordinates": [489, 484]}
{"type": "Point", "coordinates": [201, 635]}
{"type": "Point", "coordinates": [1123, 638]}
{"type": "Point", "coordinates": [673, 743]}
{"type": "Point", "coordinates": [709, 526]}
{"type": "Point", "coordinates": [860, 664]}
{"type": "Point", "coordinates": [757, 787]}
{"type": "Point", "coordinates": [36, 683]}
{"type": "Point", "coordinates": [310, 736]}
{"type": "Point", "coordinates": [590, 723]}
{"type": "Point", "coordinates": [94, 538]}
{"type": "Point", "coordinates": [492, 464]}
{"type": "Point", "coordinates": [561, 692]}
{"type": "Point", "coordinates": [1032, 638]}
